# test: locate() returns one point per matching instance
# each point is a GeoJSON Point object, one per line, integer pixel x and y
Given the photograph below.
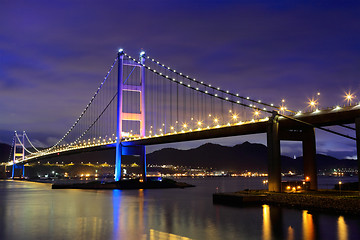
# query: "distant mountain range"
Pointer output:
{"type": "Point", "coordinates": [241, 157]}
{"type": "Point", "coordinates": [4, 152]}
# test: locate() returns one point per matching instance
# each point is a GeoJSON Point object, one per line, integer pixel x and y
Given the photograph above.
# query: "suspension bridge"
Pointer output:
{"type": "Point", "coordinates": [143, 102]}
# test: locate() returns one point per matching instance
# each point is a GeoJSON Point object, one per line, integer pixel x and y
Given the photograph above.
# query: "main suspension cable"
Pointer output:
{"type": "Point", "coordinates": [30, 142]}
{"type": "Point", "coordinates": [216, 88]}
{"type": "Point", "coordinates": [86, 108]}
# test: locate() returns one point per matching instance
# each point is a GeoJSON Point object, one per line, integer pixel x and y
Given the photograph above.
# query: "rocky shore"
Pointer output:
{"type": "Point", "coordinates": [330, 201]}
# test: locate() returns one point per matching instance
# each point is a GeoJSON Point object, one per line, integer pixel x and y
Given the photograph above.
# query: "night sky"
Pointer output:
{"type": "Point", "coordinates": [54, 54]}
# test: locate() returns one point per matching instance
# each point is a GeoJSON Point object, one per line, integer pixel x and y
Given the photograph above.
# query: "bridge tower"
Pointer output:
{"type": "Point", "coordinates": [19, 151]}
{"type": "Point", "coordinates": [126, 116]}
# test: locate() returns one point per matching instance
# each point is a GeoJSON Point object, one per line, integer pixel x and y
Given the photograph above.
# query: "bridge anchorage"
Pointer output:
{"type": "Point", "coordinates": [142, 102]}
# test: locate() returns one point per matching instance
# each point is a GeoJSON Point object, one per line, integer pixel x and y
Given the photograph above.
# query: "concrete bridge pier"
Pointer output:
{"type": "Point", "coordinates": [274, 136]}
{"type": "Point", "coordinates": [143, 163]}
{"type": "Point", "coordinates": [274, 160]}
{"type": "Point", "coordinates": [309, 157]}
{"type": "Point", "coordinates": [13, 171]}
{"type": "Point", "coordinates": [357, 126]}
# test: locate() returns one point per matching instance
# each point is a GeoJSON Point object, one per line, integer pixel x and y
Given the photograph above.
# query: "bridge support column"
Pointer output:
{"type": "Point", "coordinates": [274, 160]}
{"type": "Point", "coordinates": [13, 171]}
{"type": "Point", "coordinates": [309, 155]}
{"type": "Point", "coordinates": [118, 162]}
{"type": "Point", "coordinates": [143, 163]}
{"type": "Point", "coordinates": [357, 125]}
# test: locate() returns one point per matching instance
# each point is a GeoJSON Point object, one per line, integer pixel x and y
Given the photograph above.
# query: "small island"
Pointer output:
{"type": "Point", "coordinates": [124, 184]}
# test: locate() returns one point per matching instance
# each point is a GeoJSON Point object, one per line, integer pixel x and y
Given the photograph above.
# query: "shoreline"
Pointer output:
{"type": "Point", "coordinates": [111, 185]}
{"type": "Point", "coordinates": [328, 201]}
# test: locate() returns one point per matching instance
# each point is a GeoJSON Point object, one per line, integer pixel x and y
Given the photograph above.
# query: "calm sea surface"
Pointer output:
{"type": "Point", "coordinates": [34, 211]}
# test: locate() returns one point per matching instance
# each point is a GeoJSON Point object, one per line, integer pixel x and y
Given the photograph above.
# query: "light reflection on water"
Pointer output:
{"type": "Point", "coordinates": [308, 226]}
{"type": "Point", "coordinates": [342, 229]}
{"type": "Point", "coordinates": [266, 223]}
{"type": "Point", "coordinates": [34, 211]}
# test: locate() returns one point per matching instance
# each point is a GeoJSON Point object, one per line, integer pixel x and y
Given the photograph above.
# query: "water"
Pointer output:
{"type": "Point", "coordinates": [34, 211]}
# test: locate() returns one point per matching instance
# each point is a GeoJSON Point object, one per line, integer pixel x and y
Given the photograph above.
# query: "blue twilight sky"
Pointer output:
{"type": "Point", "coordinates": [54, 54]}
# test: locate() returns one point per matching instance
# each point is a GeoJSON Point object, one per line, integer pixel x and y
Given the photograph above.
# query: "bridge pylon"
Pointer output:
{"type": "Point", "coordinates": [127, 116]}
{"type": "Point", "coordinates": [19, 151]}
{"type": "Point", "coordinates": [357, 126]}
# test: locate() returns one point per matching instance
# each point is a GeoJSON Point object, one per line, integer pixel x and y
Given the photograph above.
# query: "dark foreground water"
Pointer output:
{"type": "Point", "coordinates": [34, 211]}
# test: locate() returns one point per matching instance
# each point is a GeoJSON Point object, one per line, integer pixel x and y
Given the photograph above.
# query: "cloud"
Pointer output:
{"type": "Point", "coordinates": [54, 54]}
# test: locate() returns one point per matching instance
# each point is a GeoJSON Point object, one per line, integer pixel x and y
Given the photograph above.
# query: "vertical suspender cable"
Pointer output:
{"type": "Point", "coordinates": [158, 105]}
{"type": "Point", "coordinates": [171, 122]}
{"type": "Point", "coordinates": [222, 108]}
{"type": "Point", "coordinates": [177, 106]}
{"type": "Point", "coordinates": [184, 101]}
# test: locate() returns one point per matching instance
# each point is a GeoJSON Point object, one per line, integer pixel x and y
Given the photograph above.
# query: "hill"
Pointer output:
{"type": "Point", "coordinates": [4, 152]}
{"type": "Point", "coordinates": [241, 157]}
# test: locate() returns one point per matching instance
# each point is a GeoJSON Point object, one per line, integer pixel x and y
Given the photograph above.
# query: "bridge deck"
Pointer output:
{"type": "Point", "coordinates": [328, 117]}
{"type": "Point", "coordinates": [226, 131]}
{"type": "Point", "coordinates": [323, 118]}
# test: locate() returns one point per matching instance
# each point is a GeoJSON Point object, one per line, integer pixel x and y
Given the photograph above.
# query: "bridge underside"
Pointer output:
{"type": "Point", "coordinates": [277, 129]}
{"type": "Point", "coordinates": [228, 131]}
{"type": "Point", "coordinates": [324, 118]}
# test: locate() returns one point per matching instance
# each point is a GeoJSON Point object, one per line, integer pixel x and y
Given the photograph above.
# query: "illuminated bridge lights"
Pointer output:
{"type": "Point", "coordinates": [101, 141]}
{"type": "Point", "coordinates": [186, 127]}
{"type": "Point", "coordinates": [316, 111]}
